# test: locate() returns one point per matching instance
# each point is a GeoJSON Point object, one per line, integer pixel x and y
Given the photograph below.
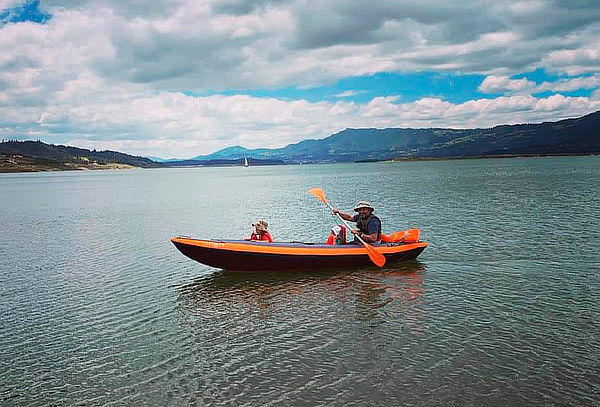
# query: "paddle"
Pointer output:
{"type": "Point", "coordinates": [374, 255]}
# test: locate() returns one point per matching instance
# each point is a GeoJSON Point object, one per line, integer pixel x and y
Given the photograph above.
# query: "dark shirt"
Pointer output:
{"type": "Point", "coordinates": [374, 225]}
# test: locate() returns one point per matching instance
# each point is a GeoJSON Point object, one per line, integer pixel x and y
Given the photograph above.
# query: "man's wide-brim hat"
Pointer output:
{"type": "Point", "coordinates": [363, 204]}
{"type": "Point", "coordinates": [261, 225]}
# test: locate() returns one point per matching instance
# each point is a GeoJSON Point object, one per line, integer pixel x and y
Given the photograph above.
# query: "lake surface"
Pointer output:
{"type": "Point", "coordinates": [97, 307]}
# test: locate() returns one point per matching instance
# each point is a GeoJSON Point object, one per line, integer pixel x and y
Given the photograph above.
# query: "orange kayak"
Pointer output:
{"type": "Point", "coordinates": [257, 256]}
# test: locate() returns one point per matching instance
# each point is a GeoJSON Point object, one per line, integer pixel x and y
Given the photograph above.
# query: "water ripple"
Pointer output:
{"type": "Point", "coordinates": [98, 308]}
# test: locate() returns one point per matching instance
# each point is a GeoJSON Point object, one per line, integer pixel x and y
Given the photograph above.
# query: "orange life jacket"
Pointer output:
{"type": "Point", "coordinates": [404, 236]}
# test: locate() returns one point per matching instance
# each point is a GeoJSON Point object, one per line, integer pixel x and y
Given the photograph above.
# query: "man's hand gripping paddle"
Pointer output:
{"type": "Point", "coordinates": [374, 255]}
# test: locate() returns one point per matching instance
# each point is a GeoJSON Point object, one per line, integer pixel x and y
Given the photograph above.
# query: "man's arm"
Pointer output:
{"type": "Point", "coordinates": [343, 215]}
{"type": "Point", "coordinates": [349, 217]}
{"type": "Point", "coordinates": [372, 238]}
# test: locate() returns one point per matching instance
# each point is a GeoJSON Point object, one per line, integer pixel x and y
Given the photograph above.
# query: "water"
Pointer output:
{"type": "Point", "coordinates": [503, 308]}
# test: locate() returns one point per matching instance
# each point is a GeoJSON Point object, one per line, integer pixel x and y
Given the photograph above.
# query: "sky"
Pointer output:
{"type": "Point", "coordinates": [180, 78]}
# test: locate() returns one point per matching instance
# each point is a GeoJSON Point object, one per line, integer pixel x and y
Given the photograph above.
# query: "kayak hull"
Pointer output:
{"type": "Point", "coordinates": [258, 256]}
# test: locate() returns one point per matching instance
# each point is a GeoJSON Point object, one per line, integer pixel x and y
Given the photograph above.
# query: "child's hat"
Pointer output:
{"type": "Point", "coordinates": [261, 225]}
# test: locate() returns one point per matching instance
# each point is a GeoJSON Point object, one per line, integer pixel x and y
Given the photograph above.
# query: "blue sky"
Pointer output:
{"type": "Point", "coordinates": [182, 78]}
{"type": "Point", "coordinates": [408, 87]}
{"type": "Point", "coordinates": [25, 11]}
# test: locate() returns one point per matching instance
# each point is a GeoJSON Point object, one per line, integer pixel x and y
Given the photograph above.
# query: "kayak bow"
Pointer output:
{"type": "Point", "coordinates": [256, 256]}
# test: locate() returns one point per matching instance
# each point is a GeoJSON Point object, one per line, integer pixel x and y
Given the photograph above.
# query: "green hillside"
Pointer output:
{"type": "Point", "coordinates": [17, 156]}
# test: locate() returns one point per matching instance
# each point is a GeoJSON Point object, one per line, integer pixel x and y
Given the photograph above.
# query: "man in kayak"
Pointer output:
{"type": "Point", "coordinates": [368, 226]}
{"type": "Point", "coordinates": [260, 232]}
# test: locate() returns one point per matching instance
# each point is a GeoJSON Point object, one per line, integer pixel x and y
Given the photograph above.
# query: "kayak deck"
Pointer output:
{"type": "Point", "coordinates": [256, 256]}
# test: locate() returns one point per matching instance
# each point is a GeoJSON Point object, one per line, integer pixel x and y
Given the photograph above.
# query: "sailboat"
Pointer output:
{"type": "Point", "coordinates": [245, 162]}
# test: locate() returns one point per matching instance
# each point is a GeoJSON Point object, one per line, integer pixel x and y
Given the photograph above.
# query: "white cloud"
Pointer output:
{"type": "Point", "coordinates": [501, 84]}
{"type": "Point", "coordinates": [109, 73]}
{"type": "Point", "coordinates": [5, 4]}
{"type": "Point", "coordinates": [349, 93]}
{"type": "Point", "coordinates": [211, 45]}
{"type": "Point", "coordinates": [526, 7]}
{"type": "Point", "coordinates": [576, 61]}
{"type": "Point", "coordinates": [173, 124]}
{"type": "Point", "coordinates": [571, 84]}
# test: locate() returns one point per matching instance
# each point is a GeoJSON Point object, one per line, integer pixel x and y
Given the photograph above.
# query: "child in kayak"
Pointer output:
{"type": "Point", "coordinates": [337, 235]}
{"type": "Point", "coordinates": [260, 232]}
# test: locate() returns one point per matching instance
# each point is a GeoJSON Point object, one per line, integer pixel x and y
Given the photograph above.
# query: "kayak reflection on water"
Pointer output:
{"type": "Point", "coordinates": [364, 293]}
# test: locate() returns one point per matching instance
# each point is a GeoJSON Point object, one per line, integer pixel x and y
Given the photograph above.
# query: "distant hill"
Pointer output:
{"type": "Point", "coordinates": [162, 160]}
{"type": "Point", "coordinates": [570, 136]}
{"type": "Point", "coordinates": [252, 162]}
{"type": "Point", "coordinates": [17, 156]}
{"type": "Point", "coordinates": [24, 156]}
{"type": "Point", "coordinates": [232, 153]}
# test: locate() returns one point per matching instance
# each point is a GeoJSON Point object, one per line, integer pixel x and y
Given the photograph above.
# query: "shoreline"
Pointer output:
{"type": "Point", "coordinates": [484, 156]}
{"type": "Point", "coordinates": [20, 164]}
{"type": "Point", "coordinates": [12, 164]}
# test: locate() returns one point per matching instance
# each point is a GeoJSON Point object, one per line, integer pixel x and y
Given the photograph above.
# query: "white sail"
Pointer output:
{"type": "Point", "coordinates": [245, 162]}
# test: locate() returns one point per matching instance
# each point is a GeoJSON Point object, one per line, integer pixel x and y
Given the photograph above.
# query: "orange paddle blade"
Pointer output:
{"type": "Point", "coordinates": [374, 255]}
{"type": "Point", "coordinates": [319, 193]}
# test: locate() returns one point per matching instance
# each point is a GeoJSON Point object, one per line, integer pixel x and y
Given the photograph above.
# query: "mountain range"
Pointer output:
{"type": "Point", "coordinates": [28, 156]}
{"type": "Point", "coordinates": [571, 136]}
